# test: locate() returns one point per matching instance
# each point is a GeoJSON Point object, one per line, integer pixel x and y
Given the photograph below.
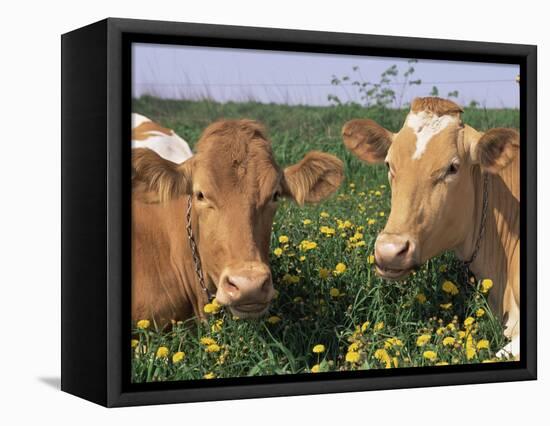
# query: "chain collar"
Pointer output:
{"type": "Point", "coordinates": [483, 221]}
{"type": "Point", "coordinates": [194, 250]}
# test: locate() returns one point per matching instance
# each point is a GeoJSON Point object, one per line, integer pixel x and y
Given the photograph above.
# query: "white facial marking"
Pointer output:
{"type": "Point", "coordinates": [426, 126]}
{"type": "Point", "coordinates": [170, 147]}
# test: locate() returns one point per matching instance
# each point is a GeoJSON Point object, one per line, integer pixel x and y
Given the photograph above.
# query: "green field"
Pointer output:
{"type": "Point", "coordinates": [361, 321]}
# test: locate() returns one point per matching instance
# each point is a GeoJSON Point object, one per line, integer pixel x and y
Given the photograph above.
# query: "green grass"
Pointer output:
{"type": "Point", "coordinates": [367, 312]}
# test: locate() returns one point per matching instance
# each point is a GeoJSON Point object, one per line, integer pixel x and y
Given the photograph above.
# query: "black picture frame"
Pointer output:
{"type": "Point", "coordinates": [96, 96]}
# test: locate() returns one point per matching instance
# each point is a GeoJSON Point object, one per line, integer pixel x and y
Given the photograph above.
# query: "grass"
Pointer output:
{"type": "Point", "coordinates": [361, 321]}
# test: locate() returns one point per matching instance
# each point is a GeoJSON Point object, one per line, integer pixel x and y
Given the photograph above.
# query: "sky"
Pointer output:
{"type": "Point", "coordinates": [223, 74]}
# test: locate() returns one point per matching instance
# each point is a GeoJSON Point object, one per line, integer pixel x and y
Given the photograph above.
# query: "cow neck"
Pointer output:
{"type": "Point", "coordinates": [482, 221]}
{"type": "Point", "coordinates": [197, 265]}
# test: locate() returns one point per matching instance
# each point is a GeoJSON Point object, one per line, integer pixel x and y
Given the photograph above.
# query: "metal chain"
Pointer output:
{"type": "Point", "coordinates": [194, 250]}
{"type": "Point", "coordinates": [483, 222]}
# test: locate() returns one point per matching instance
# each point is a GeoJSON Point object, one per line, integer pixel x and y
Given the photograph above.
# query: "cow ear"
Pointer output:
{"type": "Point", "coordinates": [367, 140]}
{"type": "Point", "coordinates": [495, 149]}
{"type": "Point", "coordinates": [155, 179]}
{"type": "Point", "coordinates": [314, 178]}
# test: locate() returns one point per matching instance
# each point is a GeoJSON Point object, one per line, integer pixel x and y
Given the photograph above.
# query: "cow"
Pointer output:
{"type": "Point", "coordinates": [441, 173]}
{"type": "Point", "coordinates": [202, 227]}
{"type": "Point", "coordinates": [165, 142]}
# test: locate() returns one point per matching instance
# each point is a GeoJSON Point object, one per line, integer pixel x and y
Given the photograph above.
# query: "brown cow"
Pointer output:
{"type": "Point", "coordinates": [234, 184]}
{"type": "Point", "coordinates": [436, 168]}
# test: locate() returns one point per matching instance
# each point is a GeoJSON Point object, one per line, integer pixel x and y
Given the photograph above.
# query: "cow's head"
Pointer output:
{"type": "Point", "coordinates": [236, 185]}
{"type": "Point", "coordinates": [433, 163]}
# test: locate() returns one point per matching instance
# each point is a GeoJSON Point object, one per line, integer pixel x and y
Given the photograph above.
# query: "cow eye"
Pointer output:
{"type": "Point", "coordinates": [199, 195]}
{"type": "Point", "coordinates": [390, 171]}
{"type": "Point", "coordinates": [452, 170]}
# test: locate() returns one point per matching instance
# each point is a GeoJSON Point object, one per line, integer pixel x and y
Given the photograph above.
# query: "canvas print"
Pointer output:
{"type": "Point", "coordinates": [304, 213]}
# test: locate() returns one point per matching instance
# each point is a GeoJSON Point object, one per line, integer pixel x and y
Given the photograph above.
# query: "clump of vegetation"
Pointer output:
{"type": "Point", "coordinates": [381, 94]}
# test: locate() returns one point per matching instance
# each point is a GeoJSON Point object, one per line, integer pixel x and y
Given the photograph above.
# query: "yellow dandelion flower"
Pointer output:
{"type": "Point", "coordinates": [440, 331]}
{"type": "Point", "coordinates": [395, 362]}
{"type": "Point", "coordinates": [339, 269]}
{"type": "Point", "coordinates": [213, 348]}
{"type": "Point", "coordinates": [334, 292]}
{"type": "Point", "coordinates": [450, 287]}
{"type": "Point", "coordinates": [274, 319]}
{"type": "Point", "coordinates": [440, 363]}
{"type": "Point", "coordinates": [377, 193]}
{"type": "Point", "coordinates": [302, 258]}
{"type": "Point", "coordinates": [480, 312]}
{"type": "Point", "coordinates": [379, 326]}
{"type": "Point", "coordinates": [469, 321]}
{"type": "Point", "coordinates": [316, 368]}
{"type": "Point", "coordinates": [278, 252]}
{"type": "Point", "coordinates": [370, 259]}
{"type": "Point", "coordinates": [354, 347]}
{"type": "Point", "coordinates": [143, 324]}
{"type": "Point", "coordinates": [383, 356]}
{"type": "Point", "coordinates": [381, 214]}
{"type": "Point", "coordinates": [134, 343]}
{"type": "Point", "coordinates": [353, 357]}
{"type": "Point", "coordinates": [207, 341]}
{"type": "Point", "coordinates": [449, 341]}
{"type": "Point", "coordinates": [318, 349]}
{"type": "Point", "coordinates": [371, 221]}
{"type": "Point", "coordinates": [430, 355]}
{"type": "Point", "coordinates": [211, 308]}
{"type": "Point", "coordinates": [217, 326]}
{"type": "Point", "coordinates": [178, 357]}
{"type": "Point", "coordinates": [283, 239]}
{"type": "Point", "coordinates": [486, 285]}
{"type": "Point", "coordinates": [423, 340]}
{"type": "Point", "coordinates": [352, 185]}
{"type": "Point", "coordinates": [209, 376]}
{"type": "Point", "coordinates": [391, 342]}
{"type": "Point", "coordinates": [327, 230]}
{"type": "Point", "coordinates": [470, 347]}
{"type": "Point", "coordinates": [421, 298]}
{"type": "Point", "coordinates": [482, 344]}
{"type": "Point", "coordinates": [364, 326]}
{"type": "Point", "coordinates": [446, 306]}
{"type": "Point", "coordinates": [461, 334]}
{"type": "Point", "coordinates": [307, 245]}
{"type": "Point", "coordinates": [324, 215]}
{"type": "Point", "coordinates": [306, 222]}
{"type": "Point", "coordinates": [162, 352]}
{"type": "Point", "coordinates": [324, 273]}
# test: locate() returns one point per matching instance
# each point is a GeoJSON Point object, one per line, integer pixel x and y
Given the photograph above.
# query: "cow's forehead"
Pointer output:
{"type": "Point", "coordinates": [426, 126]}
{"type": "Point", "coordinates": [236, 159]}
{"type": "Point", "coordinates": [426, 138]}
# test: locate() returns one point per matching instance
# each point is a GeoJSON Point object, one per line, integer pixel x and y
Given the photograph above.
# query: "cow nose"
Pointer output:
{"type": "Point", "coordinates": [394, 251]}
{"type": "Point", "coordinates": [251, 285]}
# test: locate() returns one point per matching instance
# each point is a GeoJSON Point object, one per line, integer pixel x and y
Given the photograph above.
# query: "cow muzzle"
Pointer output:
{"type": "Point", "coordinates": [246, 289]}
{"type": "Point", "coordinates": [395, 255]}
